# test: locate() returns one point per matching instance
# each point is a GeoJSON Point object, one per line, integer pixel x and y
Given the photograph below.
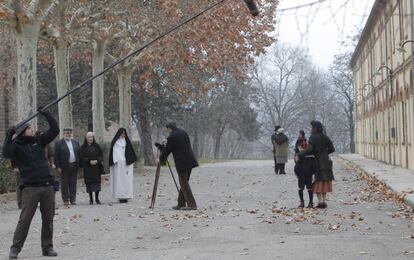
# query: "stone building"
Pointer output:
{"type": "Point", "coordinates": [383, 84]}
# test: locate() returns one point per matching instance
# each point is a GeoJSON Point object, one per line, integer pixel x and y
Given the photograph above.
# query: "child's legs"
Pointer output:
{"type": "Point", "coordinates": [301, 186]}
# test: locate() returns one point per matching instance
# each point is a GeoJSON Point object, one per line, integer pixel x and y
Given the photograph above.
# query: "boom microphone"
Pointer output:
{"type": "Point", "coordinates": [252, 7]}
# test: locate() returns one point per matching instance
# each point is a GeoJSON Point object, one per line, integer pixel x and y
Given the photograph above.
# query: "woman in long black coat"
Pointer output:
{"type": "Point", "coordinates": [91, 161]}
{"type": "Point", "coordinates": [320, 146]}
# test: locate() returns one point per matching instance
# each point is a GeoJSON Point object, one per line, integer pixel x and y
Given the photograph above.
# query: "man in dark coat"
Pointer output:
{"type": "Point", "coordinates": [273, 139]}
{"type": "Point", "coordinates": [178, 143]}
{"type": "Point", "coordinates": [67, 163]}
{"type": "Point", "coordinates": [28, 154]}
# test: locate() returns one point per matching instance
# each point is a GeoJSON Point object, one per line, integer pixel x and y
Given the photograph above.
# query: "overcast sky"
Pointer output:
{"type": "Point", "coordinates": [321, 28]}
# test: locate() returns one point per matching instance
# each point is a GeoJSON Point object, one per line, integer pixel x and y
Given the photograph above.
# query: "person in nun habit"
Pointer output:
{"type": "Point", "coordinates": [121, 165]}
{"type": "Point", "coordinates": [91, 162]}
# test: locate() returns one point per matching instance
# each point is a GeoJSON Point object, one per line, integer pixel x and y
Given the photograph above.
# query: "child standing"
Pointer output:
{"type": "Point", "coordinates": [304, 170]}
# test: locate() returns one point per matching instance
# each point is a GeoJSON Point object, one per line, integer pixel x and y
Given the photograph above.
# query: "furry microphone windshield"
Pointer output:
{"type": "Point", "coordinates": [252, 7]}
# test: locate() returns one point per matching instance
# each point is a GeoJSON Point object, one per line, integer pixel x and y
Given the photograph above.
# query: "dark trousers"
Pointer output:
{"type": "Point", "coordinates": [18, 190]}
{"type": "Point", "coordinates": [69, 178]}
{"type": "Point", "coordinates": [304, 170]}
{"type": "Point", "coordinates": [31, 197]}
{"type": "Point", "coordinates": [185, 195]}
{"type": "Point", "coordinates": [280, 167]}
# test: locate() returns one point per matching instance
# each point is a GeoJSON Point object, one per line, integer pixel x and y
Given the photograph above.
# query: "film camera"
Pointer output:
{"type": "Point", "coordinates": [160, 146]}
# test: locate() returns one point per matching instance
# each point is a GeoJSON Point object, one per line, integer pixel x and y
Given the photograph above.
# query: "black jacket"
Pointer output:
{"type": "Point", "coordinates": [91, 174]}
{"type": "Point", "coordinates": [320, 146]}
{"type": "Point", "coordinates": [62, 153]}
{"type": "Point", "coordinates": [178, 143]}
{"type": "Point", "coordinates": [28, 154]}
{"type": "Point", "coordinates": [281, 138]}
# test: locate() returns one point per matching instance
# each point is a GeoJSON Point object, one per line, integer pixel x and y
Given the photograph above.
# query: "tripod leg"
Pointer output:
{"type": "Point", "coordinates": [154, 191]}
{"type": "Point", "coordinates": [172, 175]}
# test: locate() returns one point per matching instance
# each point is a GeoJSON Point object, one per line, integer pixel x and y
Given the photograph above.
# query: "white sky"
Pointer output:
{"type": "Point", "coordinates": [328, 24]}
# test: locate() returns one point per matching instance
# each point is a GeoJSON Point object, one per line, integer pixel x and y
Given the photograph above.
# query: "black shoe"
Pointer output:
{"type": "Point", "coordinates": [91, 202]}
{"type": "Point", "coordinates": [13, 253]}
{"type": "Point", "coordinates": [320, 206]}
{"type": "Point", "coordinates": [282, 172]}
{"type": "Point", "coordinates": [49, 252]}
{"type": "Point", "coordinates": [98, 202]}
{"type": "Point", "coordinates": [176, 208]}
{"type": "Point", "coordinates": [302, 204]}
{"type": "Point", "coordinates": [310, 205]}
{"type": "Point", "coordinates": [73, 203]}
{"type": "Point", "coordinates": [324, 205]}
{"type": "Point", "coordinates": [123, 201]}
{"type": "Point", "coordinates": [188, 208]}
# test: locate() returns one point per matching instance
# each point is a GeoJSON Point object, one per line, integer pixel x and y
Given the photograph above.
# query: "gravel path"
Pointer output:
{"type": "Point", "coordinates": [245, 212]}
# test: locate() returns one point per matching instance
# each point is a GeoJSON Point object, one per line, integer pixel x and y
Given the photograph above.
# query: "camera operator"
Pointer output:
{"type": "Point", "coordinates": [178, 143]}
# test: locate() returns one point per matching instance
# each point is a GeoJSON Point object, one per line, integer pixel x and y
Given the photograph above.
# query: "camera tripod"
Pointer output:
{"type": "Point", "coordinates": [157, 177]}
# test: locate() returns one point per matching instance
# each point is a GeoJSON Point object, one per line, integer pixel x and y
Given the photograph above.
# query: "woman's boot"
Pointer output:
{"type": "Point", "coordinates": [90, 198]}
{"type": "Point", "coordinates": [97, 197]}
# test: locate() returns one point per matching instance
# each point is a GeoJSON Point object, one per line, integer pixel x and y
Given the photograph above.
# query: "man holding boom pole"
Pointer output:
{"type": "Point", "coordinates": [28, 153]}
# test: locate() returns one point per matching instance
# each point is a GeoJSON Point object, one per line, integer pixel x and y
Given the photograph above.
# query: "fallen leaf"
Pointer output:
{"type": "Point", "coordinates": [334, 226]}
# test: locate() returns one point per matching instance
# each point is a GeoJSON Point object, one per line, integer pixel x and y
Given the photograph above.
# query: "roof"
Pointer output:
{"type": "Point", "coordinates": [376, 9]}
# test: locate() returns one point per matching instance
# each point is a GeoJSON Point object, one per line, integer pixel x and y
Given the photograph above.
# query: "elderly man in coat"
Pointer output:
{"type": "Point", "coordinates": [67, 163]}
{"type": "Point", "coordinates": [281, 148]}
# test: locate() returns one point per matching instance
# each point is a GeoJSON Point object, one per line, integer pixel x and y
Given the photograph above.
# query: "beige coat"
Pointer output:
{"type": "Point", "coordinates": [281, 146]}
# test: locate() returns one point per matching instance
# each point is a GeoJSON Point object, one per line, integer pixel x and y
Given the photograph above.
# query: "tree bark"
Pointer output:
{"type": "Point", "coordinates": [196, 141]}
{"type": "Point", "coordinates": [98, 90]}
{"type": "Point", "coordinates": [61, 53]}
{"type": "Point", "coordinates": [124, 84]}
{"type": "Point", "coordinates": [217, 141]}
{"type": "Point", "coordinates": [27, 38]}
{"type": "Point", "coordinates": [144, 123]}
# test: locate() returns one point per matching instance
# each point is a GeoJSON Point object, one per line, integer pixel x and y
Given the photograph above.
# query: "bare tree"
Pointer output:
{"type": "Point", "coordinates": [341, 79]}
{"type": "Point", "coordinates": [278, 76]}
{"type": "Point", "coordinates": [26, 20]}
{"type": "Point", "coordinates": [65, 20]}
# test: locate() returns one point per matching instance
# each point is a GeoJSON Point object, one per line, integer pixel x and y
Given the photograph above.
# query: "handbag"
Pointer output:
{"type": "Point", "coordinates": [101, 168]}
{"type": "Point", "coordinates": [56, 185]}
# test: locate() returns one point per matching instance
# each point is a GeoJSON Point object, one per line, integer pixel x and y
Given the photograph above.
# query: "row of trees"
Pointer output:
{"type": "Point", "coordinates": [212, 77]}
{"type": "Point", "coordinates": [220, 43]}
{"type": "Point", "coordinates": [292, 91]}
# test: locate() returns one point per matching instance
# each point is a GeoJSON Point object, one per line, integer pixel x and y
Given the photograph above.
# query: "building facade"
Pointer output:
{"type": "Point", "coordinates": [382, 67]}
